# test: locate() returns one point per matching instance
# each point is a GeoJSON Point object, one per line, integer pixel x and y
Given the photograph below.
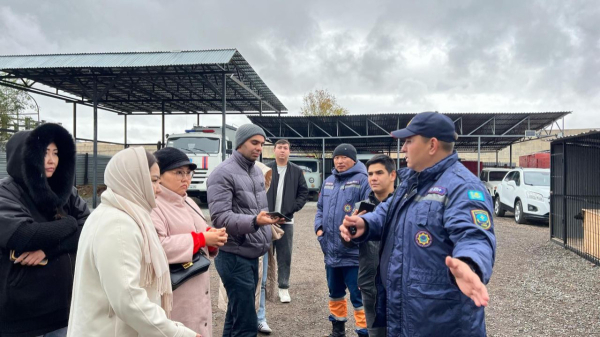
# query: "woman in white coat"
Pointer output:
{"type": "Point", "coordinates": [122, 284]}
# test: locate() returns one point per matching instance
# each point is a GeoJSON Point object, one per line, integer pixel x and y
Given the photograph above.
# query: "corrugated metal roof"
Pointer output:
{"type": "Point", "coordinates": [580, 135]}
{"type": "Point", "coordinates": [143, 83]}
{"type": "Point", "coordinates": [379, 126]}
{"type": "Point", "coordinates": [117, 60]}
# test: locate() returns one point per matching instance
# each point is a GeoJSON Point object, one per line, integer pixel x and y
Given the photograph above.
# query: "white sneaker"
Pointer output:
{"type": "Point", "coordinates": [264, 328]}
{"type": "Point", "coordinates": [284, 296]}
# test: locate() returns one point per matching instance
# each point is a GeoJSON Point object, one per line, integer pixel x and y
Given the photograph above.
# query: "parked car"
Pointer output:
{"type": "Point", "coordinates": [491, 177]}
{"type": "Point", "coordinates": [526, 192]}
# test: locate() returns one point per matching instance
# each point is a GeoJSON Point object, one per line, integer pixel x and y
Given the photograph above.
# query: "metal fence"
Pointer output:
{"type": "Point", "coordinates": [84, 169]}
{"type": "Point", "coordinates": [575, 194]}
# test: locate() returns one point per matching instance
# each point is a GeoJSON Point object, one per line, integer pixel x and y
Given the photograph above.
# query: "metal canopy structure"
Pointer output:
{"type": "Point", "coordinates": [477, 132]}
{"type": "Point", "coordinates": [489, 131]}
{"type": "Point", "coordinates": [148, 83]}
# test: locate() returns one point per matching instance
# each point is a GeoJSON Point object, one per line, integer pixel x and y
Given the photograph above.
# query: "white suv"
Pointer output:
{"type": "Point", "coordinates": [526, 192]}
{"type": "Point", "coordinates": [491, 177]}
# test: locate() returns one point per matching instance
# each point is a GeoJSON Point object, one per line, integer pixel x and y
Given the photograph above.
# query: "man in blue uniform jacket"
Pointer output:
{"type": "Point", "coordinates": [347, 185]}
{"type": "Point", "coordinates": [437, 239]}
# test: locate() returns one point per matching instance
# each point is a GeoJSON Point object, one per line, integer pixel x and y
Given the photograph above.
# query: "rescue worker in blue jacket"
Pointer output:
{"type": "Point", "coordinates": [347, 185]}
{"type": "Point", "coordinates": [437, 239]}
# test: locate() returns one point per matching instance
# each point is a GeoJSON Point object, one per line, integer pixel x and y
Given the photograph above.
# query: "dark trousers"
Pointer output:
{"type": "Point", "coordinates": [338, 279]}
{"type": "Point", "coordinates": [368, 261]}
{"type": "Point", "coordinates": [283, 253]}
{"type": "Point", "coordinates": [240, 277]}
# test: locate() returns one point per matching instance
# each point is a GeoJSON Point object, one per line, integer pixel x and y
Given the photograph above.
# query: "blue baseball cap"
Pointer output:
{"type": "Point", "coordinates": [428, 124]}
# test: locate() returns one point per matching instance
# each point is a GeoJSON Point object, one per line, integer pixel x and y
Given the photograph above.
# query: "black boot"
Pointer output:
{"type": "Point", "coordinates": [362, 332]}
{"type": "Point", "coordinates": [339, 327]}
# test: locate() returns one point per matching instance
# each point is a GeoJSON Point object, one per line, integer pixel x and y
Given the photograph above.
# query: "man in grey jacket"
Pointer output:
{"type": "Point", "coordinates": [237, 201]}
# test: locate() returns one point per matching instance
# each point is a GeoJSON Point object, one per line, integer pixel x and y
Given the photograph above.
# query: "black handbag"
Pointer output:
{"type": "Point", "coordinates": [181, 272]}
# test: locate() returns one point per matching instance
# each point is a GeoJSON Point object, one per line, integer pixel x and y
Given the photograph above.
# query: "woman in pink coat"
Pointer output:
{"type": "Point", "coordinates": [183, 231]}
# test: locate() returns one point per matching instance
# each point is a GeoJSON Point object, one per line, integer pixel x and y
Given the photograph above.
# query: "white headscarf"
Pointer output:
{"type": "Point", "coordinates": [129, 189]}
{"type": "Point", "coordinates": [266, 172]}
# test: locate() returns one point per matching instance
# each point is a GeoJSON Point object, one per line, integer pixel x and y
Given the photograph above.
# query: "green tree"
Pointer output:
{"type": "Point", "coordinates": [321, 103]}
{"type": "Point", "coordinates": [12, 103]}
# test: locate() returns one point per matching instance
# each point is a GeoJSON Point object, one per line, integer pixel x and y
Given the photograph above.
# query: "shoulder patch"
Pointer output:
{"type": "Point", "coordinates": [481, 218]}
{"type": "Point", "coordinates": [476, 195]}
{"type": "Point", "coordinates": [437, 190]}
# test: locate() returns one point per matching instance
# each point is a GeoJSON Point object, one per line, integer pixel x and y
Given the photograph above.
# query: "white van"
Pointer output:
{"type": "Point", "coordinates": [312, 173]}
{"type": "Point", "coordinates": [202, 144]}
{"type": "Point", "coordinates": [491, 177]}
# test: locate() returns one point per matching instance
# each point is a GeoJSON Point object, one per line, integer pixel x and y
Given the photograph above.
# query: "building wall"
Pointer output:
{"type": "Point", "coordinates": [105, 149]}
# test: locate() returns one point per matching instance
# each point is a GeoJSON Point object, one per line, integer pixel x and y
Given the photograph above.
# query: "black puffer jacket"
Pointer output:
{"type": "Point", "coordinates": [37, 213]}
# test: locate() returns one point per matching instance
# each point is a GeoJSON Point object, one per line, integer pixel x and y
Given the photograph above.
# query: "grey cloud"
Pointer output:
{"type": "Point", "coordinates": [380, 56]}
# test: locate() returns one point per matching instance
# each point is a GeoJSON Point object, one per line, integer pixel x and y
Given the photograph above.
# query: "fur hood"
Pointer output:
{"type": "Point", "coordinates": [25, 152]}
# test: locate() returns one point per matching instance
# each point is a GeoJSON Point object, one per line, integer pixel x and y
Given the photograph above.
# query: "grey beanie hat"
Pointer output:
{"type": "Point", "coordinates": [346, 150]}
{"type": "Point", "coordinates": [247, 131]}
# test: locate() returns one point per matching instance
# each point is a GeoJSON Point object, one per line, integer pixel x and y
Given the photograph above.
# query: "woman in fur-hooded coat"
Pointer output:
{"type": "Point", "coordinates": [40, 218]}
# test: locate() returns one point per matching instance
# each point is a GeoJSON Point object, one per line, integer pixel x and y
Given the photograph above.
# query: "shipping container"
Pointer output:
{"type": "Point", "coordinates": [535, 160]}
{"type": "Point", "coordinates": [472, 166]}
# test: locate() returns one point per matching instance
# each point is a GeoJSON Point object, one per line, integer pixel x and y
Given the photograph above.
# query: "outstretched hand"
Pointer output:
{"type": "Point", "coordinates": [468, 281]}
{"type": "Point", "coordinates": [352, 221]}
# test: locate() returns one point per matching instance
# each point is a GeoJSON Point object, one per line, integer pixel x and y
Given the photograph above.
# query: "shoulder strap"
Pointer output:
{"type": "Point", "coordinates": [200, 214]}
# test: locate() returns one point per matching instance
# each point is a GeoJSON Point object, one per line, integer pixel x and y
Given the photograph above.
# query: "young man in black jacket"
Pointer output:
{"type": "Point", "coordinates": [382, 175]}
{"type": "Point", "coordinates": [287, 195]}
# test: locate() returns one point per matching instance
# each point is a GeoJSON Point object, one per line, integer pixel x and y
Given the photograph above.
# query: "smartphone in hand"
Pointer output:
{"type": "Point", "coordinates": [14, 257]}
{"type": "Point", "coordinates": [278, 215]}
{"type": "Point", "coordinates": [366, 207]}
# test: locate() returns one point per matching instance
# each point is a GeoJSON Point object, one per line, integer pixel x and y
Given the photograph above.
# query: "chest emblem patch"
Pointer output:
{"type": "Point", "coordinates": [481, 218]}
{"type": "Point", "coordinates": [347, 208]}
{"type": "Point", "coordinates": [476, 195]}
{"type": "Point", "coordinates": [437, 190]}
{"type": "Point", "coordinates": [423, 239]}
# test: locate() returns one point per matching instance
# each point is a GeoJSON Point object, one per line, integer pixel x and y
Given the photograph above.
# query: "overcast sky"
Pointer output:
{"type": "Point", "coordinates": [375, 56]}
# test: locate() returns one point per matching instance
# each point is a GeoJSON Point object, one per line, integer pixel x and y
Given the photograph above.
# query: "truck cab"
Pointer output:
{"type": "Point", "coordinates": [202, 144]}
{"type": "Point", "coordinates": [311, 167]}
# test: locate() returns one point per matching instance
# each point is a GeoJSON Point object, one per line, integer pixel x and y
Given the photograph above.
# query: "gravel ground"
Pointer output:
{"type": "Point", "coordinates": [538, 288]}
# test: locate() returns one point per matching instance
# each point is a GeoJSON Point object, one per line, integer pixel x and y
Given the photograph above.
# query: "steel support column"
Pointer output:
{"type": "Point", "coordinates": [510, 157]}
{"type": "Point", "coordinates": [398, 155]}
{"type": "Point", "coordinates": [323, 158]}
{"type": "Point", "coordinates": [162, 134]}
{"type": "Point", "coordinates": [74, 120]}
{"type": "Point", "coordinates": [496, 158]}
{"type": "Point", "coordinates": [198, 119]}
{"type": "Point", "coordinates": [478, 157]}
{"type": "Point", "coordinates": [95, 170]}
{"type": "Point", "coordinates": [125, 131]}
{"type": "Point", "coordinates": [564, 194]}
{"type": "Point", "coordinates": [224, 120]}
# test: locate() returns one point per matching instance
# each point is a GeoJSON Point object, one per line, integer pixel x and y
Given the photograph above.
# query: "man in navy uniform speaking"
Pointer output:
{"type": "Point", "coordinates": [437, 239]}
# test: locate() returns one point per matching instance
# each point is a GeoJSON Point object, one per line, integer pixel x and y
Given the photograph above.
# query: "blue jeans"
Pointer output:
{"type": "Point", "coordinates": [338, 279]}
{"type": "Point", "coordinates": [239, 276]}
{"type": "Point", "coordinates": [262, 313]}
{"type": "Point", "coordinates": [56, 333]}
